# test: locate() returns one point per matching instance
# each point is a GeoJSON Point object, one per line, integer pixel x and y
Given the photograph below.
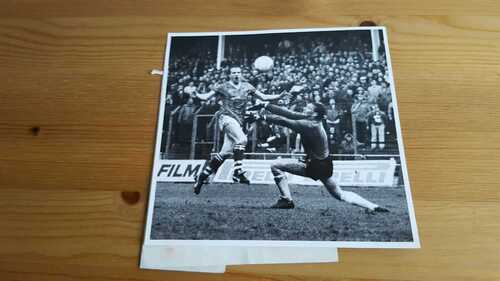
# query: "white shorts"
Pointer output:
{"type": "Point", "coordinates": [233, 134]}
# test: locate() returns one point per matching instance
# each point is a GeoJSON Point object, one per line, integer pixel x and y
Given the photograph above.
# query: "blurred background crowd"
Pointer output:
{"type": "Point", "coordinates": [337, 69]}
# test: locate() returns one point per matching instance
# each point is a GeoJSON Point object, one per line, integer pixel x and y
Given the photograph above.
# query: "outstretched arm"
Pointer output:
{"type": "Point", "coordinates": [206, 96]}
{"type": "Point", "coordinates": [285, 112]}
{"type": "Point", "coordinates": [296, 125]}
{"type": "Point", "coordinates": [265, 97]}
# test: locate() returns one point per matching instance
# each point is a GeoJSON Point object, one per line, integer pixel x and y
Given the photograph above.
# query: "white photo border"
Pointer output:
{"type": "Point", "coordinates": [278, 243]}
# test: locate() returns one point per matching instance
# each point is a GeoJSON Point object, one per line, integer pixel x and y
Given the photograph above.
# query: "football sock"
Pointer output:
{"type": "Point", "coordinates": [282, 184]}
{"type": "Point", "coordinates": [353, 198]}
{"type": "Point", "coordinates": [347, 196]}
{"type": "Point", "coordinates": [212, 167]}
{"type": "Point", "coordinates": [238, 154]}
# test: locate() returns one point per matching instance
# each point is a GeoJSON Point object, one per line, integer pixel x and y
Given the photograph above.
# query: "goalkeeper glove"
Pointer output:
{"type": "Point", "coordinates": [251, 117]}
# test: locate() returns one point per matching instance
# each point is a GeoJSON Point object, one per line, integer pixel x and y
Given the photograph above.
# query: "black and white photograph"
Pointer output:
{"type": "Point", "coordinates": [281, 137]}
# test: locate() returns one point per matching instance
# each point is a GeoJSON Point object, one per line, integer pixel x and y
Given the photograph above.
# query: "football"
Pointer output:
{"type": "Point", "coordinates": [263, 63]}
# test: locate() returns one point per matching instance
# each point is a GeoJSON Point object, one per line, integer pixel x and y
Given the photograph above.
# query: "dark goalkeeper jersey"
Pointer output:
{"type": "Point", "coordinates": [312, 132]}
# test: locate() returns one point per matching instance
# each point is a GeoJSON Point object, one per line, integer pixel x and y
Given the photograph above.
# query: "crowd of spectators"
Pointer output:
{"type": "Point", "coordinates": [338, 72]}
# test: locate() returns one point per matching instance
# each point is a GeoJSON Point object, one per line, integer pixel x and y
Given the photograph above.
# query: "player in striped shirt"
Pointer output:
{"type": "Point", "coordinates": [318, 165]}
{"type": "Point", "coordinates": [233, 97]}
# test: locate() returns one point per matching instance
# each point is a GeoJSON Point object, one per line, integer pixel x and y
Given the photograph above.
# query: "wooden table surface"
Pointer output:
{"type": "Point", "coordinates": [78, 114]}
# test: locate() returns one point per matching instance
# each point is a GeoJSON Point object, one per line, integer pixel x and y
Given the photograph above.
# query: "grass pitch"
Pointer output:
{"type": "Point", "coordinates": [241, 212]}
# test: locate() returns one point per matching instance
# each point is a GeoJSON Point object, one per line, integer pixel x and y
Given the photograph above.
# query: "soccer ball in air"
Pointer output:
{"type": "Point", "coordinates": [263, 63]}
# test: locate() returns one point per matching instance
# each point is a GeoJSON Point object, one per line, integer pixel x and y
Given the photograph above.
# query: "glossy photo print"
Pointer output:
{"type": "Point", "coordinates": [280, 138]}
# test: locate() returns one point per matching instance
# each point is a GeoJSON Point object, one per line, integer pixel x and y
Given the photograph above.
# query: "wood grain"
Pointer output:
{"type": "Point", "coordinates": [79, 72]}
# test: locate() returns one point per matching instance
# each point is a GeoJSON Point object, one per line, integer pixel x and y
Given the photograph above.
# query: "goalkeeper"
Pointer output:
{"type": "Point", "coordinates": [318, 165]}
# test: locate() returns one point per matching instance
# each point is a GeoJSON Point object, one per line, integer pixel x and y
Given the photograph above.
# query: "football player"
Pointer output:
{"type": "Point", "coordinates": [318, 165]}
{"type": "Point", "coordinates": [233, 97]}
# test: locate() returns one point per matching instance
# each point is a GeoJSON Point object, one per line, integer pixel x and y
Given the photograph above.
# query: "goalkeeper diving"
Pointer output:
{"type": "Point", "coordinates": [317, 165]}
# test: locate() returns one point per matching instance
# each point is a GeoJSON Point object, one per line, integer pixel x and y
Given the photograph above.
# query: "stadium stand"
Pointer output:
{"type": "Point", "coordinates": [338, 71]}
